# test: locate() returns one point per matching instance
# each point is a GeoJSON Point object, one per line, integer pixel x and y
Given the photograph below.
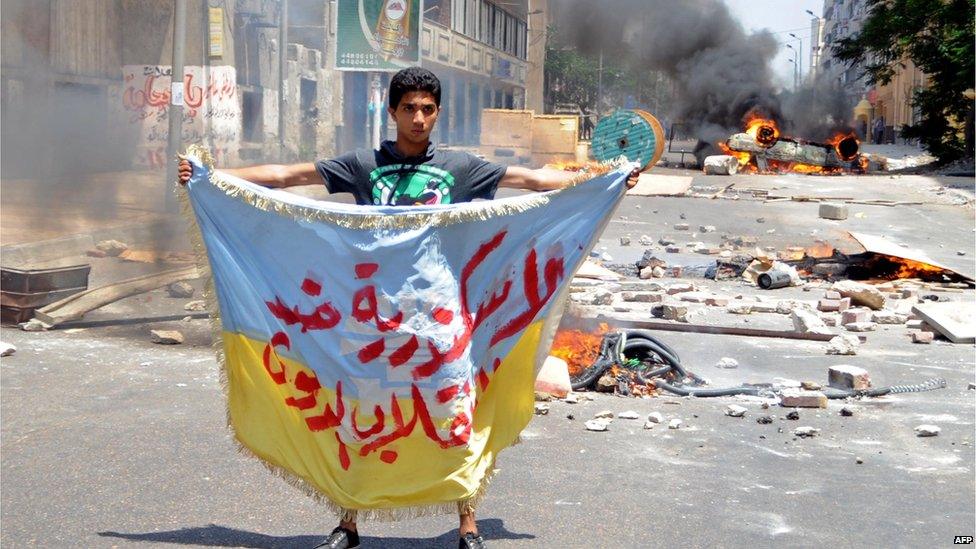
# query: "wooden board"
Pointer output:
{"type": "Point", "coordinates": [649, 184]}
{"type": "Point", "coordinates": [956, 320]}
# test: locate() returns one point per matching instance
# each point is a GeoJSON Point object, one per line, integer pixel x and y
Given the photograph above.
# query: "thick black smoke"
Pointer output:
{"type": "Point", "coordinates": [720, 72]}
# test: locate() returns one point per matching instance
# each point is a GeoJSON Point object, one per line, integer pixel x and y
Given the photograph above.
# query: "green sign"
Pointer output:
{"type": "Point", "coordinates": [378, 35]}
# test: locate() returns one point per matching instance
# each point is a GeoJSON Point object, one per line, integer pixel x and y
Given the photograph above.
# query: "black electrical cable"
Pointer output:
{"type": "Point", "coordinates": [616, 348]}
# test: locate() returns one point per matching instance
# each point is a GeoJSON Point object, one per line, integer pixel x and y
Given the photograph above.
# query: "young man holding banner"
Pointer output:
{"type": "Point", "coordinates": [408, 171]}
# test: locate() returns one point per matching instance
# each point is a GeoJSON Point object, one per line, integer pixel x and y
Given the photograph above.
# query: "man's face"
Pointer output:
{"type": "Point", "coordinates": [415, 116]}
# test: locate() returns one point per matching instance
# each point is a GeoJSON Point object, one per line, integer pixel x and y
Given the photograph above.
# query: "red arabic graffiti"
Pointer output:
{"type": "Point", "coordinates": [390, 424]}
{"type": "Point", "coordinates": [142, 99]}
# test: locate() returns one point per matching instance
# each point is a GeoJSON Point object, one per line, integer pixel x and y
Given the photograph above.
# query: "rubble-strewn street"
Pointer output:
{"type": "Point", "coordinates": [101, 422]}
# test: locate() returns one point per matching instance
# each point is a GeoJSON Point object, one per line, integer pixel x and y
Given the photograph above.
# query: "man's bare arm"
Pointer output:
{"type": "Point", "coordinates": [544, 179]}
{"type": "Point", "coordinates": [269, 175]}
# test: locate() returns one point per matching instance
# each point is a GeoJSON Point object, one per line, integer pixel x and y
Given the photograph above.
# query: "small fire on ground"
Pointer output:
{"type": "Point", "coordinates": [581, 350]}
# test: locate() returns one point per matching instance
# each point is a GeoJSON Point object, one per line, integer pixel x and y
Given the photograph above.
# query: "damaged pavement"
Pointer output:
{"type": "Point", "coordinates": [631, 462]}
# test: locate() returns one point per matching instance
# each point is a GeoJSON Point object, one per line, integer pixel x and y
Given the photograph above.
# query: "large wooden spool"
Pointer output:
{"type": "Point", "coordinates": [633, 134]}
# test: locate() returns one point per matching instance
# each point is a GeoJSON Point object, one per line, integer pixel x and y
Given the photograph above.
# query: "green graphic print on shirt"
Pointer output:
{"type": "Point", "coordinates": [410, 184]}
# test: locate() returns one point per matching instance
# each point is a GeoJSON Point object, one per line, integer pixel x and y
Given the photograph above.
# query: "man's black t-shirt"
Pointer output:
{"type": "Point", "coordinates": [386, 178]}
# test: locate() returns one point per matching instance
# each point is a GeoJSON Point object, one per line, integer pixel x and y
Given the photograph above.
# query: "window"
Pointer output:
{"type": "Point", "coordinates": [486, 22]}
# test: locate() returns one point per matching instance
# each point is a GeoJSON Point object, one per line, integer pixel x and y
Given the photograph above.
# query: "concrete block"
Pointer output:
{"type": "Point", "coordinates": [860, 326]}
{"type": "Point", "coordinates": [830, 294]}
{"type": "Point", "coordinates": [851, 316]}
{"type": "Point", "coordinates": [845, 376]}
{"type": "Point", "coordinates": [642, 297]}
{"type": "Point", "coordinates": [830, 210]}
{"type": "Point", "coordinates": [923, 337]}
{"type": "Point", "coordinates": [553, 377]}
{"type": "Point", "coordinates": [798, 398]}
{"type": "Point", "coordinates": [888, 317]}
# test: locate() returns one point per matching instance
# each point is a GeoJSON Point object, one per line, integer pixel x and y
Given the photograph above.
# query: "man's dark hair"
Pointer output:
{"type": "Point", "coordinates": [413, 79]}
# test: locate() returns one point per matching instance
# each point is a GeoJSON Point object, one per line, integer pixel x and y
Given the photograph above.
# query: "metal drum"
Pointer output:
{"type": "Point", "coordinates": [634, 134]}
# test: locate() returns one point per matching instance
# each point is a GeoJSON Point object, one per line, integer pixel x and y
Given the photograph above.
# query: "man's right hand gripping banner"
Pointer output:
{"type": "Point", "coordinates": [381, 357]}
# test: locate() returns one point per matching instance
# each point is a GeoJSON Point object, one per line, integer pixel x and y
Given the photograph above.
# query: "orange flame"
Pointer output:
{"type": "Point", "coordinates": [913, 269]}
{"type": "Point", "coordinates": [764, 130]}
{"type": "Point", "coordinates": [819, 250]}
{"type": "Point", "coordinates": [578, 348]}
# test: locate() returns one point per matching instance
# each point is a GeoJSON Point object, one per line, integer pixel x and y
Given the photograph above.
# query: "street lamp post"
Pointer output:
{"type": "Point", "coordinates": [791, 48]}
{"type": "Point", "coordinates": [799, 56]}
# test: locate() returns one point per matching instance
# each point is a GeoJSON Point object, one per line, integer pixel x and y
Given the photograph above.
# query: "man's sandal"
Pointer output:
{"type": "Point", "coordinates": [340, 538]}
{"type": "Point", "coordinates": [472, 541]}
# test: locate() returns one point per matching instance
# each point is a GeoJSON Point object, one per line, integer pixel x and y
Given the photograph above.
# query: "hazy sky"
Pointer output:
{"type": "Point", "coordinates": [780, 17]}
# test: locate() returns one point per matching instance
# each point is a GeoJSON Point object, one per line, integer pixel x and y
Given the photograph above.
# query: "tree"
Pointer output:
{"type": "Point", "coordinates": [937, 35]}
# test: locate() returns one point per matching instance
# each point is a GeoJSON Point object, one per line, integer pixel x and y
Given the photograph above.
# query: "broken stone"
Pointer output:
{"type": "Point", "coordinates": [760, 220]}
{"type": "Point", "coordinates": [928, 430]}
{"type": "Point", "coordinates": [166, 337]}
{"type": "Point", "coordinates": [649, 424]}
{"type": "Point", "coordinates": [833, 305]}
{"type": "Point", "coordinates": [858, 460]}
{"type": "Point", "coordinates": [642, 297]}
{"type": "Point", "coordinates": [607, 383]}
{"type": "Point", "coordinates": [625, 241]}
{"type": "Point", "coordinates": [760, 307]}
{"type": "Point", "coordinates": [541, 396]}
{"type": "Point", "coordinates": [915, 324]}
{"type": "Point", "coordinates": [693, 297]}
{"type": "Point", "coordinates": [672, 249]}
{"type": "Point", "coordinates": [860, 294]}
{"type": "Point", "coordinates": [706, 228]}
{"type": "Point", "coordinates": [111, 247]}
{"type": "Point", "coordinates": [810, 386]}
{"type": "Point", "coordinates": [180, 290]}
{"type": "Point", "coordinates": [860, 326]}
{"type": "Point", "coordinates": [34, 325]}
{"type": "Point", "coordinates": [843, 344]}
{"type": "Point", "coordinates": [888, 317]}
{"type": "Point", "coordinates": [606, 256]}
{"type": "Point", "coordinates": [681, 226]}
{"type": "Point", "coordinates": [734, 410]}
{"type": "Point", "coordinates": [541, 409]}
{"type": "Point", "coordinates": [830, 294]}
{"type": "Point", "coordinates": [655, 417]}
{"type": "Point", "coordinates": [629, 414]}
{"type": "Point", "coordinates": [727, 362]}
{"type": "Point", "coordinates": [680, 288]}
{"type": "Point", "coordinates": [793, 416]}
{"type": "Point", "coordinates": [571, 398]}
{"type": "Point", "coordinates": [716, 301]}
{"type": "Point", "coordinates": [645, 240]}
{"type": "Point", "coordinates": [598, 296]}
{"type": "Point", "coordinates": [923, 337]}
{"type": "Point", "coordinates": [806, 432]}
{"type": "Point", "coordinates": [674, 424]}
{"type": "Point", "coordinates": [198, 305]}
{"type": "Point", "coordinates": [657, 272]}
{"type": "Point", "coordinates": [764, 420]}
{"type": "Point", "coordinates": [836, 212]}
{"type": "Point", "coordinates": [846, 412]}
{"type": "Point", "coordinates": [845, 376]}
{"type": "Point", "coordinates": [740, 309]}
{"type": "Point", "coordinates": [646, 273]}
{"type": "Point", "coordinates": [650, 260]}
{"type": "Point", "coordinates": [96, 253]}
{"type": "Point", "coordinates": [674, 312]}
{"type": "Point", "coordinates": [831, 320]}
{"type": "Point", "coordinates": [596, 425]}
{"type": "Point", "coordinates": [851, 316]}
{"type": "Point", "coordinates": [799, 398]}
{"type": "Point", "coordinates": [807, 322]}
{"type": "Point", "coordinates": [605, 414]}
{"type": "Point", "coordinates": [7, 349]}
{"type": "Point", "coordinates": [666, 241]}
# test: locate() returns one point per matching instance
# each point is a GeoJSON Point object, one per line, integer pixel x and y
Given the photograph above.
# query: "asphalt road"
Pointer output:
{"type": "Point", "coordinates": [111, 441]}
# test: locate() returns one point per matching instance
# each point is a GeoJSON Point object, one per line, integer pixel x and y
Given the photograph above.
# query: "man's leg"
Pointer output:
{"type": "Point", "coordinates": [468, 528]}
{"type": "Point", "coordinates": [468, 525]}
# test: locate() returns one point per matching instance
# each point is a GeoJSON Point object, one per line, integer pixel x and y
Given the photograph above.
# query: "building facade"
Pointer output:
{"type": "Point", "coordinates": [87, 82]}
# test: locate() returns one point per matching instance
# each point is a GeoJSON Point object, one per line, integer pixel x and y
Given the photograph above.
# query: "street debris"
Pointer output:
{"type": "Point", "coordinates": [764, 420]}
{"type": "Point", "coordinates": [674, 424]}
{"type": "Point", "coordinates": [166, 337]}
{"type": "Point", "coordinates": [111, 248]}
{"type": "Point", "coordinates": [195, 306]}
{"type": "Point", "coordinates": [541, 409]}
{"type": "Point", "coordinates": [793, 416]}
{"type": "Point", "coordinates": [553, 377]}
{"type": "Point", "coordinates": [860, 293]}
{"type": "Point", "coordinates": [845, 376]}
{"type": "Point", "coordinates": [927, 430]}
{"type": "Point", "coordinates": [806, 432]}
{"type": "Point", "coordinates": [843, 345]}
{"type": "Point", "coordinates": [7, 349]}
{"type": "Point", "coordinates": [596, 425]}
{"type": "Point", "coordinates": [655, 417]}
{"type": "Point", "coordinates": [605, 414]}
{"type": "Point", "coordinates": [180, 290]}
{"type": "Point", "coordinates": [734, 410]}
{"type": "Point", "coordinates": [846, 412]}
{"type": "Point", "coordinates": [727, 363]}
{"type": "Point", "coordinates": [836, 212]}
{"type": "Point", "coordinates": [800, 398]}
{"type": "Point", "coordinates": [629, 414]}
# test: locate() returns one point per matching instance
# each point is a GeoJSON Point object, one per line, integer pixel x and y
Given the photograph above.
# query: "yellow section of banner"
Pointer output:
{"type": "Point", "coordinates": [412, 460]}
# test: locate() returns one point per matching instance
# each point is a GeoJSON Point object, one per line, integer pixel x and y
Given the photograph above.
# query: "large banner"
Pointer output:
{"type": "Point", "coordinates": [211, 110]}
{"type": "Point", "coordinates": [378, 35]}
{"type": "Point", "coordinates": [381, 357]}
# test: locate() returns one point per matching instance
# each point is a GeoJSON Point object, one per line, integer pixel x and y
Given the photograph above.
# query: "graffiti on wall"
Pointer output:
{"type": "Point", "coordinates": [211, 110]}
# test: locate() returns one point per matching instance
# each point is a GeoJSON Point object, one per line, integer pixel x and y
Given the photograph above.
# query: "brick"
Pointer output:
{"type": "Point", "coordinates": [851, 316]}
{"type": "Point", "coordinates": [798, 398]}
{"type": "Point", "coordinates": [923, 337]}
{"type": "Point", "coordinates": [693, 297]}
{"type": "Point", "coordinates": [642, 297]}
{"type": "Point", "coordinates": [716, 301]}
{"type": "Point", "coordinates": [830, 294]}
{"type": "Point", "coordinates": [680, 288]}
{"type": "Point", "coordinates": [681, 226]}
{"type": "Point", "coordinates": [860, 326]}
{"type": "Point", "coordinates": [845, 376]}
{"type": "Point", "coordinates": [830, 210]}
{"type": "Point", "coordinates": [673, 249]}
{"type": "Point", "coordinates": [828, 305]}
{"type": "Point", "coordinates": [673, 311]}
{"type": "Point", "coordinates": [889, 317]}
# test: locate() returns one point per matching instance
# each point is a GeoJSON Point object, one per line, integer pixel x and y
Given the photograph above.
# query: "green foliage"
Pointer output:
{"type": "Point", "coordinates": [937, 35]}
